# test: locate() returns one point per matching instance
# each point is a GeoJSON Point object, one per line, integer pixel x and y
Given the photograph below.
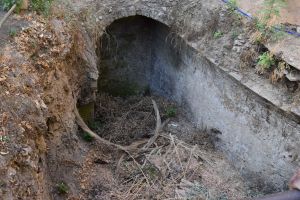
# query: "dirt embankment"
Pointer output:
{"type": "Point", "coordinates": [40, 77]}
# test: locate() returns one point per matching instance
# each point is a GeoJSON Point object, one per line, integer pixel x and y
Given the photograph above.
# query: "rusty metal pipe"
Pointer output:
{"type": "Point", "coordinates": [289, 195]}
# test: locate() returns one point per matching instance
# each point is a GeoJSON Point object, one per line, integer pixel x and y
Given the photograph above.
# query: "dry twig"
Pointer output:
{"type": "Point", "coordinates": [7, 14]}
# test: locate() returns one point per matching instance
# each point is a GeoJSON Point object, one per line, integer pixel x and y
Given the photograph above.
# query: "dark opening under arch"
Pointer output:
{"type": "Point", "coordinates": [135, 53]}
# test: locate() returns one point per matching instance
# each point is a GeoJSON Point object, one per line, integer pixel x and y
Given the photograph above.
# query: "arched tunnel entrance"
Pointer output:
{"type": "Point", "coordinates": [143, 58]}
{"type": "Point", "coordinates": [138, 53]}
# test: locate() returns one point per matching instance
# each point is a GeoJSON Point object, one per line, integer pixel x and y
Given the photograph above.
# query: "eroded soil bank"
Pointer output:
{"type": "Point", "coordinates": [40, 79]}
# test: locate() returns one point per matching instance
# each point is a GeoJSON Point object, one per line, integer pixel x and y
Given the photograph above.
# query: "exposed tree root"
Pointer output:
{"type": "Point", "coordinates": [134, 147]}
{"type": "Point", "coordinates": [85, 128]}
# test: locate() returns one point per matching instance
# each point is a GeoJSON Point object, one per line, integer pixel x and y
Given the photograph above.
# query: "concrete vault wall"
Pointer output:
{"type": "Point", "coordinates": [261, 140]}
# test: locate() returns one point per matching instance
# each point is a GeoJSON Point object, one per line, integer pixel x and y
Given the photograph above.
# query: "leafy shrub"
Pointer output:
{"type": "Point", "coordinates": [266, 61]}
{"type": "Point", "coordinates": [41, 6]}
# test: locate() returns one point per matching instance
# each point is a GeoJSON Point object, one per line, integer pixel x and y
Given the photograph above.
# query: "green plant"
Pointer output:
{"type": "Point", "coordinates": [217, 34]}
{"type": "Point", "coordinates": [265, 22]}
{"type": "Point", "coordinates": [268, 32]}
{"type": "Point", "coordinates": [41, 6]}
{"type": "Point", "coordinates": [87, 137]}
{"type": "Point", "coordinates": [232, 5]}
{"type": "Point", "coordinates": [12, 32]}
{"type": "Point", "coordinates": [4, 138]}
{"type": "Point", "coordinates": [171, 112]}
{"type": "Point", "coordinates": [272, 9]}
{"type": "Point", "coordinates": [265, 61]}
{"type": "Point", "coordinates": [62, 188]}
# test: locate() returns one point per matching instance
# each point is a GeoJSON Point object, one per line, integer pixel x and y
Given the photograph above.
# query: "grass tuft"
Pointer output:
{"type": "Point", "coordinates": [171, 112]}
{"type": "Point", "coordinates": [218, 34]}
{"type": "Point", "coordinates": [62, 188]}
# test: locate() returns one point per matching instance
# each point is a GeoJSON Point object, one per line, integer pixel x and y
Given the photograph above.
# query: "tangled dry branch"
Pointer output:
{"type": "Point", "coordinates": [162, 167]}
{"type": "Point", "coordinates": [133, 148]}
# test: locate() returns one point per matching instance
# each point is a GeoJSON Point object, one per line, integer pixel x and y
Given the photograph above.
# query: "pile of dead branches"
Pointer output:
{"type": "Point", "coordinates": [124, 120]}
{"type": "Point", "coordinates": [164, 167]}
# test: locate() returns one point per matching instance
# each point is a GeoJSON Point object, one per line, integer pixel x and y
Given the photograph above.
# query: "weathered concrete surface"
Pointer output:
{"type": "Point", "coordinates": [259, 137]}
{"type": "Point", "coordinates": [289, 47]}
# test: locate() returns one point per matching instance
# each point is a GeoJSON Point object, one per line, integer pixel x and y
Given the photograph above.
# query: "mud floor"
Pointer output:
{"type": "Point", "coordinates": [181, 164]}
